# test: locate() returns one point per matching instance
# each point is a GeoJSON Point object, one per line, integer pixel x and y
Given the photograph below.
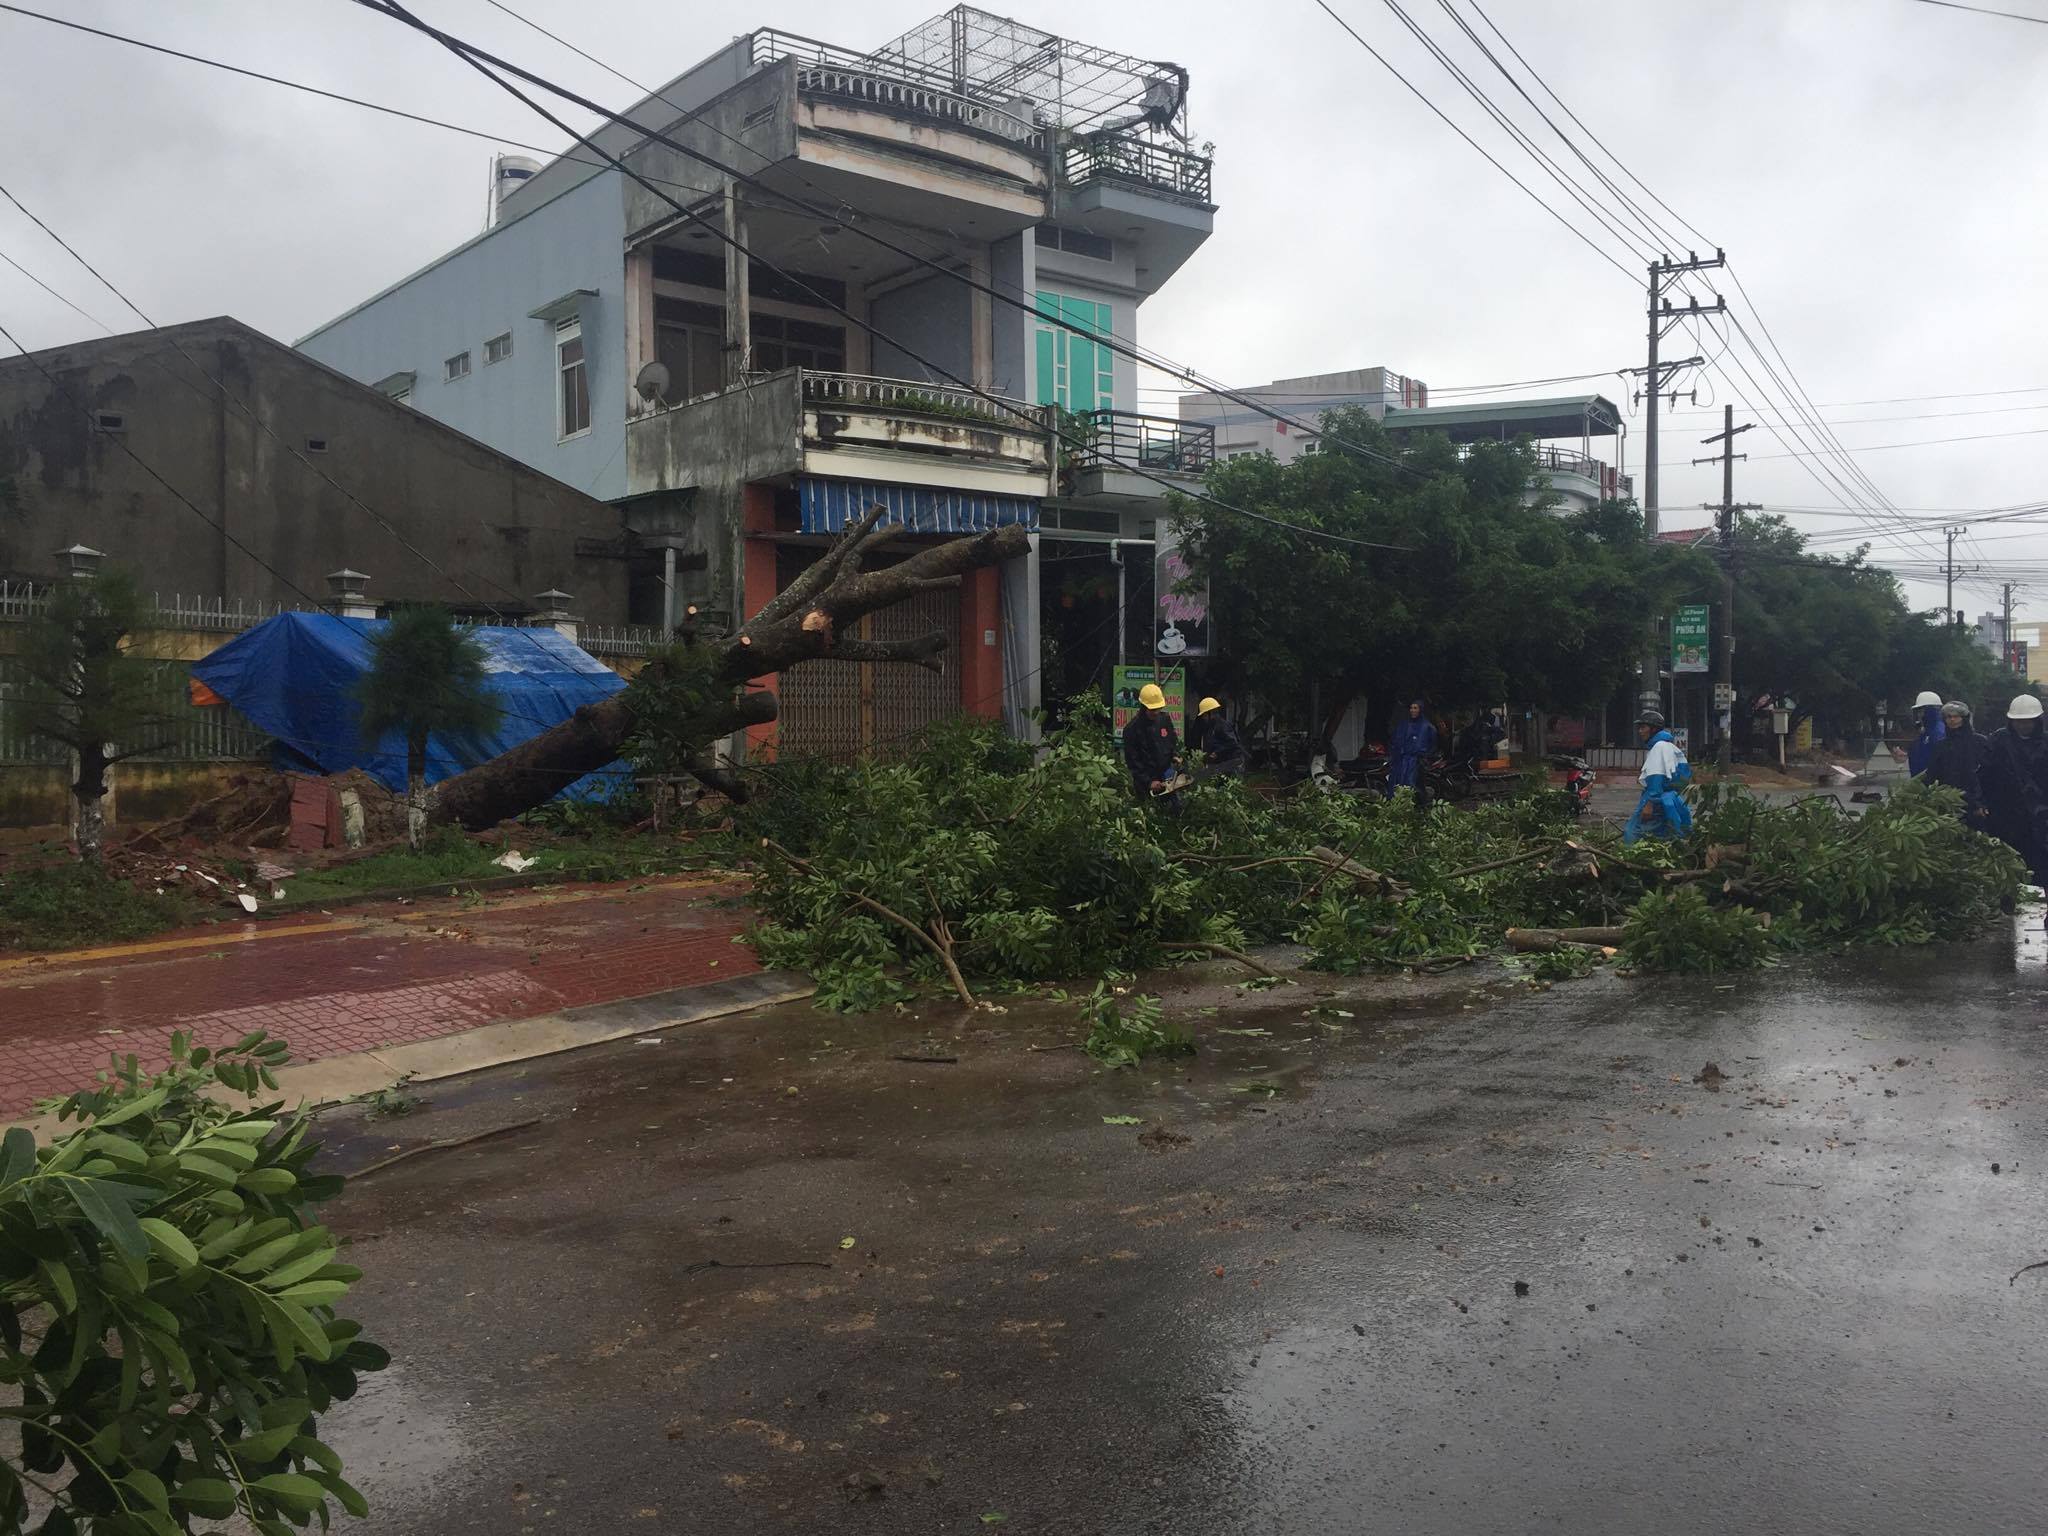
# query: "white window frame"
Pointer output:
{"type": "Point", "coordinates": [502, 343]}
{"type": "Point", "coordinates": [567, 331]}
{"type": "Point", "coordinates": [456, 368]}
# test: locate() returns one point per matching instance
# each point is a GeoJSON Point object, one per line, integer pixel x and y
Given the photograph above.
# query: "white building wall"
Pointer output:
{"type": "Point", "coordinates": [485, 289]}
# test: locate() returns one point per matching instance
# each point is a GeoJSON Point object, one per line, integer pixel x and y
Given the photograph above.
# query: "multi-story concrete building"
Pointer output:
{"type": "Point", "coordinates": [1563, 429]}
{"type": "Point", "coordinates": [900, 277]}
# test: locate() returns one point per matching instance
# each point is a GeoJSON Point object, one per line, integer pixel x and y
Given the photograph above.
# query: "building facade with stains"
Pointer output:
{"type": "Point", "coordinates": [827, 280]}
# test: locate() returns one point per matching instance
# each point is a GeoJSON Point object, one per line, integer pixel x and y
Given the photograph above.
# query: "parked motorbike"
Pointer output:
{"type": "Point", "coordinates": [1578, 783]}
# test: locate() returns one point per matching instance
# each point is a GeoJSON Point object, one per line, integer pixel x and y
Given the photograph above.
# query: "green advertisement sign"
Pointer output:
{"type": "Point", "coordinates": [1691, 650]}
{"type": "Point", "coordinates": [1123, 699]}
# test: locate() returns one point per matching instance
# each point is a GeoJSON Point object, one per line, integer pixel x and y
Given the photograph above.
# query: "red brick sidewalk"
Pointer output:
{"type": "Point", "coordinates": [360, 978]}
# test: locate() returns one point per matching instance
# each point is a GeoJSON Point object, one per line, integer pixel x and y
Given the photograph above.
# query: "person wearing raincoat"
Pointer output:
{"type": "Point", "coordinates": [2016, 784]}
{"type": "Point", "coordinates": [1413, 742]}
{"type": "Point", "coordinates": [1662, 812]}
{"type": "Point", "coordinates": [1958, 760]}
{"type": "Point", "coordinates": [1927, 708]}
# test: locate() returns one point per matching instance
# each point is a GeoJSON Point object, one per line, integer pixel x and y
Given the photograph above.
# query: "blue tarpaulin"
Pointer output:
{"type": "Point", "coordinates": [295, 677]}
{"type": "Point", "coordinates": [826, 506]}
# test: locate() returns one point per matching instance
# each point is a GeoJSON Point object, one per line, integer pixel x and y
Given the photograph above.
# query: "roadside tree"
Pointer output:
{"type": "Point", "coordinates": [426, 678]}
{"type": "Point", "coordinates": [84, 688]}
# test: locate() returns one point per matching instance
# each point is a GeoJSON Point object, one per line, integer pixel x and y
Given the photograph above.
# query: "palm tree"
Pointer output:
{"type": "Point", "coordinates": [426, 676]}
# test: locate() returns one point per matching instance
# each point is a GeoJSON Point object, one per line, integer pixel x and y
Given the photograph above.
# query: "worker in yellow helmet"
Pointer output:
{"type": "Point", "coordinates": [1222, 748]}
{"type": "Point", "coordinates": [1151, 744]}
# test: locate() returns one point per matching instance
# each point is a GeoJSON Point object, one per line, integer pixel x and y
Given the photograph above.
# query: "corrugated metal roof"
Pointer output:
{"type": "Point", "coordinates": [1562, 416]}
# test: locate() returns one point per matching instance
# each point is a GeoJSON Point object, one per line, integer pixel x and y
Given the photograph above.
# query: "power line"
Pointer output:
{"type": "Point", "coordinates": [1981, 10]}
{"type": "Point", "coordinates": [1568, 112]}
{"type": "Point", "coordinates": [228, 395]}
{"type": "Point", "coordinates": [53, 293]}
{"type": "Point", "coordinates": [1118, 345]}
{"type": "Point", "coordinates": [483, 63]}
{"type": "Point", "coordinates": [1486, 103]}
{"type": "Point", "coordinates": [1420, 96]}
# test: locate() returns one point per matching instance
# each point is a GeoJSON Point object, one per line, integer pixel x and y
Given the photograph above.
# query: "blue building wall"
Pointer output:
{"type": "Point", "coordinates": [486, 288]}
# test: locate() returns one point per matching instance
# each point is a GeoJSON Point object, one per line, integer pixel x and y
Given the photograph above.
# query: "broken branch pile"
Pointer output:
{"type": "Point", "coordinates": [961, 865]}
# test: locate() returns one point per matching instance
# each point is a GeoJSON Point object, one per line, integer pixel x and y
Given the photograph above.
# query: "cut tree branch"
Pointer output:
{"type": "Point", "coordinates": [943, 950]}
{"type": "Point", "coordinates": [801, 624]}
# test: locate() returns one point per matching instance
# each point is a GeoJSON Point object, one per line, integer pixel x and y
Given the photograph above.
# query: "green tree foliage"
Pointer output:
{"type": "Point", "coordinates": [1834, 633]}
{"type": "Point", "coordinates": [1049, 872]}
{"type": "Point", "coordinates": [1485, 598]}
{"type": "Point", "coordinates": [168, 1325]}
{"type": "Point", "coordinates": [426, 678]}
{"type": "Point", "coordinates": [86, 689]}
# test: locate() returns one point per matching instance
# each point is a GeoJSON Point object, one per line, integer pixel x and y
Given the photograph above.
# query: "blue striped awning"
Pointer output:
{"type": "Point", "coordinates": [829, 505]}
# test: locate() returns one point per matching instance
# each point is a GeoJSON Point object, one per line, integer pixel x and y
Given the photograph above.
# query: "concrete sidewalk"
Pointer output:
{"type": "Point", "coordinates": [387, 989]}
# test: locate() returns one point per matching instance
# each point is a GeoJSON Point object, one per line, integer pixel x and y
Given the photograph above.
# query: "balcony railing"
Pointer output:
{"type": "Point", "coordinates": [865, 392]}
{"type": "Point", "coordinates": [1159, 444]}
{"type": "Point", "coordinates": [823, 70]}
{"type": "Point", "coordinates": [1117, 157]}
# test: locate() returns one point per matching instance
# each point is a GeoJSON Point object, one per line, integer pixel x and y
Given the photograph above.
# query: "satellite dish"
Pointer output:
{"type": "Point", "coordinates": [652, 383]}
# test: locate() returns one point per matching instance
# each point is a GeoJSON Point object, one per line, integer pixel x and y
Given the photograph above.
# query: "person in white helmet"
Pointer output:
{"type": "Point", "coordinates": [1927, 708]}
{"type": "Point", "coordinates": [2016, 784]}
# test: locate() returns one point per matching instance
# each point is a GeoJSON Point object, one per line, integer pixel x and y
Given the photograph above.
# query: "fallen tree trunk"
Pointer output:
{"type": "Point", "coordinates": [803, 623]}
{"type": "Point", "coordinates": [1540, 940]}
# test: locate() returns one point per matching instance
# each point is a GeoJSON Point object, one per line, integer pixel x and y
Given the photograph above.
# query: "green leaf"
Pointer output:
{"type": "Point", "coordinates": [264, 1444]}
{"type": "Point", "coordinates": [269, 1181]}
{"type": "Point", "coordinates": [133, 1108]}
{"type": "Point", "coordinates": [105, 1205]}
{"type": "Point", "coordinates": [351, 1501]}
{"type": "Point", "coordinates": [292, 1489]}
{"type": "Point", "coordinates": [171, 1245]}
{"type": "Point", "coordinates": [213, 1497]}
{"type": "Point", "coordinates": [300, 1268]}
{"type": "Point", "coordinates": [315, 1293]}
{"type": "Point", "coordinates": [61, 1283]}
{"type": "Point", "coordinates": [130, 1154]}
{"type": "Point", "coordinates": [263, 1255]}
{"type": "Point", "coordinates": [149, 1486]}
{"type": "Point", "coordinates": [317, 1452]}
{"type": "Point", "coordinates": [17, 1155]}
{"type": "Point", "coordinates": [1122, 1120]}
{"type": "Point", "coordinates": [211, 1169]}
{"type": "Point", "coordinates": [245, 1130]}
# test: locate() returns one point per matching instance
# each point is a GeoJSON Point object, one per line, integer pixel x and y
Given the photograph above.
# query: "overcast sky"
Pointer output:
{"type": "Point", "coordinates": [1873, 168]}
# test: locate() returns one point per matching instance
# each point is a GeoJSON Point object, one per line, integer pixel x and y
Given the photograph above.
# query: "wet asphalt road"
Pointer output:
{"type": "Point", "coordinates": [1775, 1303]}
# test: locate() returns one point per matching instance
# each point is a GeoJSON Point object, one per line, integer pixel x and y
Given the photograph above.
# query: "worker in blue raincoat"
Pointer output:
{"type": "Point", "coordinates": [1921, 750]}
{"type": "Point", "coordinates": [1412, 746]}
{"type": "Point", "coordinates": [1662, 812]}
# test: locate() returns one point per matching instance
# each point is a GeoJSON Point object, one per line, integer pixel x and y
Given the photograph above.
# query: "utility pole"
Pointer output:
{"type": "Point", "coordinates": [2005, 624]}
{"type": "Point", "coordinates": [1949, 567]}
{"type": "Point", "coordinates": [1726, 458]}
{"type": "Point", "coordinates": [1663, 317]}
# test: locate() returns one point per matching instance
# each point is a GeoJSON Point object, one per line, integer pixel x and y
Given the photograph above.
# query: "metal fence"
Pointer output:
{"type": "Point", "coordinates": [1138, 162]}
{"type": "Point", "coordinates": [620, 639]}
{"type": "Point", "coordinates": [186, 732]}
{"type": "Point", "coordinates": [1161, 443]}
{"type": "Point", "coordinates": [868, 392]}
{"type": "Point", "coordinates": [894, 86]}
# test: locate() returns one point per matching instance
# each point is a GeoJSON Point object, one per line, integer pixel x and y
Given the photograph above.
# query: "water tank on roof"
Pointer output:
{"type": "Point", "coordinates": [508, 174]}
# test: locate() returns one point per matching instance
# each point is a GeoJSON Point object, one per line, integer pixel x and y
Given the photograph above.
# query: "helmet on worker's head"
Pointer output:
{"type": "Point", "coordinates": [1957, 708]}
{"type": "Point", "coordinates": [2025, 706]}
{"type": "Point", "coordinates": [1152, 696]}
{"type": "Point", "coordinates": [1650, 717]}
{"type": "Point", "coordinates": [1206, 707]}
{"type": "Point", "coordinates": [1928, 699]}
